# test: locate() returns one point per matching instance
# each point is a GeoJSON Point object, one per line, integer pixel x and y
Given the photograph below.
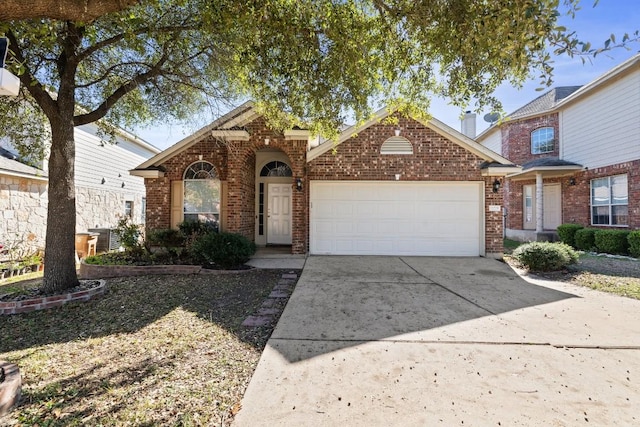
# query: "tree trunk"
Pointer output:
{"type": "Point", "coordinates": [60, 267]}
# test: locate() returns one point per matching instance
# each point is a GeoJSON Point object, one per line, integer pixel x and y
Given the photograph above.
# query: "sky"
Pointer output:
{"type": "Point", "coordinates": [593, 24]}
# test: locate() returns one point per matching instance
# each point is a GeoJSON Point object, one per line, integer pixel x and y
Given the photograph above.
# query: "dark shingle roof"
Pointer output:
{"type": "Point", "coordinates": [544, 102]}
{"type": "Point", "coordinates": [547, 161]}
{"type": "Point", "coordinates": [10, 162]}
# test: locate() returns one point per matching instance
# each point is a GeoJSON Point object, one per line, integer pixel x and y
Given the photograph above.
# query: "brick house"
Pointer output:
{"type": "Point", "coordinates": [579, 148]}
{"type": "Point", "coordinates": [410, 188]}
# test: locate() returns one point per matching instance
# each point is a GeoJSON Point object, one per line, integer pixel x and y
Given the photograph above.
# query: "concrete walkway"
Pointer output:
{"type": "Point", "coordinates": [379, 341]}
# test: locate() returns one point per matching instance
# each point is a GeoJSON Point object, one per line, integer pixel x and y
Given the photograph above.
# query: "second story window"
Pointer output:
{"type": "Point", "coordinates": [542, 141]}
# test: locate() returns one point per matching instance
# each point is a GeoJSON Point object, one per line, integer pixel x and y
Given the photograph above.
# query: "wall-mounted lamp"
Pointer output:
{"type": "Point", "coordinates": [266, 141]}
{"type": "Point", "coordinates": [397, 132]}
{"type": "Point", "coordinates": [572, 181]}
{"type": "Point", "coordinates": [397, 177]}
{"type": "Point", "coordinates": [496, 185]}
{"type": "Point", "coordinates": [298, 184]}
{"type": "Point", "coordinates": [122, 185]}
{"type": "Point", "coordinates": [103, 180]}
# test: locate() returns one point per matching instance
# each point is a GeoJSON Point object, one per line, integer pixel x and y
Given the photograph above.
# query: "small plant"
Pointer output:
{"type": "Point", "coordinates": [545, 256]}
{"type": "Point", "coordinates": [567, 233]}
{"type": "Point", "coordinates": [226, 250]}
{"type": "Point", "coordinates": [129, 234]}
{"type": "Point", "coordinates": [197, 228]}
{"type": "Point", "coordinates": [612, 241]}
{"type": "Point", "coordinates": [634, 243]}
{"type": "Point", "coordinates": [585, 239]}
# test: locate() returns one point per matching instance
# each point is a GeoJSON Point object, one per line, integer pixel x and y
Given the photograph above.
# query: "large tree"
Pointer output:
{"type": "Point", "coordinates": [301, 60]}
{"type": "Point", "coordinates": [75, 10]}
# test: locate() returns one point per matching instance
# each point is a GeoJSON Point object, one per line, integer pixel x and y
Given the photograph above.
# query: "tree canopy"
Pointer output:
{"type": "Point", "coordinates": [302, 61]}
{"type": "Point", "coordinates": [74, 10]}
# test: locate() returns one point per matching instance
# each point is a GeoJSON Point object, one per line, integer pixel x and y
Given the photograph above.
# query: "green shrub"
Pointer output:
{"type": "Point", "coordinates": [612, 241]}
{"type": "Point", "coordinates": [128, 233]}
{"type": "Point", "coordinates": [634, 243]}
{"type": "Point", "coordinates": [585, 239]}
{"type": "Point", "coordinates": [567, 232]}
{"type": "Point", "coordinates": [545, 256]}
{"type": "Point", "coordinates": [166, 238]}
{"type": "Point", "coordinates": [225, 250]}
{"type": "Point", "coordinates": [197, 228]}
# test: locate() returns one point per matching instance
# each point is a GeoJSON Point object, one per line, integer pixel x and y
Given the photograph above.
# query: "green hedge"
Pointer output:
{"type": "Point", "coordinates": [545, 256]}
{"type": "Point", "coordinates": [634, 243]}
{"type": "Point", "coordinates": [585, 239]}
{"type": "Point", "coordinates": [567, 233]}
{"type": "Point", "coordinates": [612, 241]}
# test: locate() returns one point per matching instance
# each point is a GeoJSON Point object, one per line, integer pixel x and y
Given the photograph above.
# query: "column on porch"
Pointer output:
{"type": "Point", "coordinates": [539, 203]}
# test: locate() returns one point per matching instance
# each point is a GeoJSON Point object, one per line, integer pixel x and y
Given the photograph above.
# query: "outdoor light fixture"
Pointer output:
{"type": "Point", "coordinates": [496, 185]}
{"type": "Point", "coordinates": [122, 185]}
{"type": "Point", "coordinates": [572, 181]}
{"type": "Point", "coordinates": [103, 180]}
{"type": "Point", "coordinates": [298, 184]}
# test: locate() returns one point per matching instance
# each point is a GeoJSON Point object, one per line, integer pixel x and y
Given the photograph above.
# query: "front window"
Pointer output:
{"type": "Point", "coordinates": [609, 201]}
{"type": "Point", "coordinates": [128, 208]}
{"type": "Point", "coordinates": [201, 193]}
{"type": "Point", "coordinates": [542, 141]}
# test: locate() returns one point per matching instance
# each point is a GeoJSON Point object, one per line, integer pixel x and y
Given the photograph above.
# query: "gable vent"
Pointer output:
{"type": "Point", "coordinates": [396, 145]}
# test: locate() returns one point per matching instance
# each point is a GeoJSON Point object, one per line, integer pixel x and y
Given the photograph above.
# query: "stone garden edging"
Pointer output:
{"type": "Point", "coordinates": [44, 302]}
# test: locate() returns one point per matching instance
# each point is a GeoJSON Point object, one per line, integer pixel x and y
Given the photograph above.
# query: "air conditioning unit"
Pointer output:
{"type": "Point", "coordinates": [108, 239]}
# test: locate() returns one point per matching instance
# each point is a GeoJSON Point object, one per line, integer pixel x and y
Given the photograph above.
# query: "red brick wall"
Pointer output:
{"type": "Point", "coordinates": [516, 138]}
{"type": "Point", "coordinates": [435, 158]}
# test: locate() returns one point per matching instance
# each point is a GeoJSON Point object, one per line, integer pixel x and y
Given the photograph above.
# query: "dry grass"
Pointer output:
{"type": "Point", "coordinates": [155, 350]}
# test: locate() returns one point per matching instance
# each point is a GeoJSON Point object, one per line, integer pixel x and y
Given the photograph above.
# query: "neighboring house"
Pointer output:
{"type": "Point", "coordinates": [579, 148]}
{"type": "Point", "coordinates": [411, 188]}
{"type": "Point", "coordinates": [104, 189]}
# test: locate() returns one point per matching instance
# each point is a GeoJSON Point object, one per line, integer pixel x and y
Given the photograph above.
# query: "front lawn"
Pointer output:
{"type": "Point", "coordinates": [155, 350]}
{"type": "Point", "coordinates": [616, 275]}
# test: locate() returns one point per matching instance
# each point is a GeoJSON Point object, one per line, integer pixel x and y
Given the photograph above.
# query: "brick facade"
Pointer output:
{"type": "Point", "coordinates": [516, 138]}
{"type": "Point", "coordinates": [435, 159]}
{"type": "Point", "coordinates": [576, 197]}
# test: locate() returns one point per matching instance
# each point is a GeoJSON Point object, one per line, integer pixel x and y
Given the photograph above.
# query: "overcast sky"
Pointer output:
{"type": "Point", "coordinates": [592, 24]}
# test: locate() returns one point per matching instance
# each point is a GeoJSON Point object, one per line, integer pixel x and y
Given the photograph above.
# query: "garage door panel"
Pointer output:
{"type": "Point", "coordinates": [396, 218]}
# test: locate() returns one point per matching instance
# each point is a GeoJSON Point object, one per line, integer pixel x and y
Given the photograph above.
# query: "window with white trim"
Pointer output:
{"type": "Point", "coordinates": [201, 193]}
{"type": "Point", "coordinates": [128, 208]}
{"type": "Point", "coordinates": [610, 201]}
{"type": "Point", "coordinates": [542, 140]}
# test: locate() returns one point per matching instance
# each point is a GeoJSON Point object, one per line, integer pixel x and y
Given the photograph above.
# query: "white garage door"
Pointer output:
{"type": "Point", "coordinates": [396, 218]}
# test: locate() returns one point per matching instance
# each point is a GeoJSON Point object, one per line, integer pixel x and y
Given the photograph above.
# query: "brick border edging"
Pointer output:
{"type": "Point", "coordinates": [92, 271]}
{"type": "Point", "coordinates": [10, 388]}
{"type": "Point", "coordinates": [42, 303]}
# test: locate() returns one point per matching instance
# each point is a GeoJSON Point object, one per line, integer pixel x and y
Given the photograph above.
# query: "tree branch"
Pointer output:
{"type": "Point", "coordinates": [27, 80]}
{"type": "Point", "coordinates": [74, 10]}
{"type": "Point", "coordinates": [130, 86]}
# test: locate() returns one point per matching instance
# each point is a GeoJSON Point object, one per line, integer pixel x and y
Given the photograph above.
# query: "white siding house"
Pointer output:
{"type": "Point", "coordinates": [105, 191]}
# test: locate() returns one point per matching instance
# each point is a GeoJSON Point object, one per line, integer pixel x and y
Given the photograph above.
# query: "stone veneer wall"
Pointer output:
{"type": "Point", "coordinates": [103, 208]}
{"type": "Point", "coordinates": [435, 158]}
{"type": "Point", "coordinates": [23, 211]}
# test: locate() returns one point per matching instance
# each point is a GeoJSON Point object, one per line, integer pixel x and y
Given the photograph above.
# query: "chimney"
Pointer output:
{"type": "Point", "coordinates": [469, 124]}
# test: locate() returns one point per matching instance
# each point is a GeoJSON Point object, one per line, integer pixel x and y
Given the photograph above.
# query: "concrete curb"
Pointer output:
{"type": "Point", "coordinates": [10, 387]}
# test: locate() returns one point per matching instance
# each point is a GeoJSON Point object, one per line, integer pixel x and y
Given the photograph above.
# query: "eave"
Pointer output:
{"type": "Point", "coordinates": [546, 172]}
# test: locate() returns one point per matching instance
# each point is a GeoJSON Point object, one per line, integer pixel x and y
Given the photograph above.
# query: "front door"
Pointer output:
{"type": "Point", "coordinates": [279, 214]}
{"type": "Point", "coordinates": [551, 206]}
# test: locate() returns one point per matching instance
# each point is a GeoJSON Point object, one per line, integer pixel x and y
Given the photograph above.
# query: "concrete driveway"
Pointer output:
{"type": "Point", "coordinates": [413, 341]}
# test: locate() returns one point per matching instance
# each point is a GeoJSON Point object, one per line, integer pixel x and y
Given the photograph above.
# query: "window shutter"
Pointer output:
{"type": "Point", "coordinates": [177, 203]}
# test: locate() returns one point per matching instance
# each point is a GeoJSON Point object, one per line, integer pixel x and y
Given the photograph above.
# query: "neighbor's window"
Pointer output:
{"type": "Point", "coordinates": [128, 208]}
{"type": "Point", "coordinates": [201, 193]}
{"type": "Point", "coordinates": [542, 141]}
{"type": "Point", "coordinates": [609, 201]}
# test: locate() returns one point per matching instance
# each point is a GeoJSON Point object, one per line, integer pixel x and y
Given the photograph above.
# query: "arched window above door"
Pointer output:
{"type": "Point", "coordinates": [276, 168]}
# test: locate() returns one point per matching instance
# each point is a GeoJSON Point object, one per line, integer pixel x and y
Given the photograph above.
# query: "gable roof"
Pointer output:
{"type": "Point", "coordinates": [544, 103]}
{"type": "Point", "coordinates": [437, 126]}
{"type": "Point", "coordinates": [10, 164]}
{"type": "Point", "coordinates": [235, 118]}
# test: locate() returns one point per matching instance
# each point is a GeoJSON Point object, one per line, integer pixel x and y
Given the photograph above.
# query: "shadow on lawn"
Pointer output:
{"type": "Point", "coordinates": [135, 302]}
